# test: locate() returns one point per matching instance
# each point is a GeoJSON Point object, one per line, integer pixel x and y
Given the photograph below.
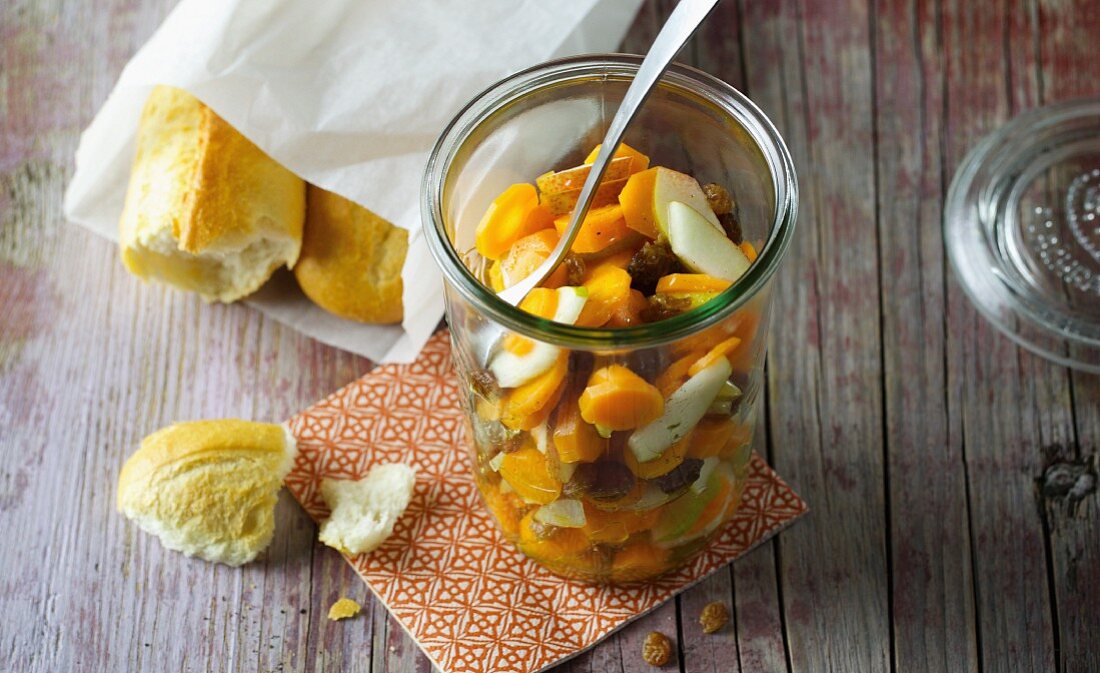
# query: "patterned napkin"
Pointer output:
{"type": "Point", "coordinates": [469, 599]}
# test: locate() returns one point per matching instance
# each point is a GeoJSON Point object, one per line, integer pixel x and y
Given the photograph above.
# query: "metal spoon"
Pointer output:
{"type": "Point", "coordinates": [681, 25]}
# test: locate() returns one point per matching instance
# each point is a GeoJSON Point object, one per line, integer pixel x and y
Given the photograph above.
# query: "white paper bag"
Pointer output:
{"type": "Point", "coordinates": [348, 94]}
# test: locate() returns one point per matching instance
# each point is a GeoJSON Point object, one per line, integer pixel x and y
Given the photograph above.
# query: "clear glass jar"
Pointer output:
{"type": "Point", "coordinates": [581, 503]}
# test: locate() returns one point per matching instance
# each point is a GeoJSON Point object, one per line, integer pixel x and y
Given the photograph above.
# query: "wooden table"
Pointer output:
{"type": "Point", "coordinates": [920, 437]}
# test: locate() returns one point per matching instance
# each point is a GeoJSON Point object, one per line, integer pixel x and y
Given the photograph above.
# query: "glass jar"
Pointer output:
{"type": "Point", "coordinates": [596, 502]}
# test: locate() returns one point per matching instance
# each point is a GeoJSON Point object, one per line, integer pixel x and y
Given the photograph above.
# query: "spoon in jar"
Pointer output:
{"type": "Point", "coordinates": [678, 29]}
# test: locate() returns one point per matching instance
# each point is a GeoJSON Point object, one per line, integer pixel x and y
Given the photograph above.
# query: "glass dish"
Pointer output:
{"type": "Point", "coordinates": [570, 496]}
{"type": "Point", "coordinates": [1022, 228]}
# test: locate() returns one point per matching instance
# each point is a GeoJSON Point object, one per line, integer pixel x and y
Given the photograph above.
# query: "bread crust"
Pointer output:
{"type": "Point", "coordinates": [233, 214]}
{"type": "Point", "coordinates": [208, 488]}
{"type": "Point", "coordinates": [351, 260]}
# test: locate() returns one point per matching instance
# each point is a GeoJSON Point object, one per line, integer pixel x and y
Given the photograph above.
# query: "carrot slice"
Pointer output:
{"type": "Point", "coordinates": [616, 527]}
{"type": "Point", "coordinates": [608, 288]}
{"type": "Point", "coordinates": [528, 405]}
{"type": "Point", "coordinates": [691, 283]}
{"type": "Point", "coordinates": [721, 350]}
{"type": "Point", "coordinates": [619, 399]}
{"type": "Point", "coordinates": [601, 227]}
{"type": "Point", "coordinates": [662, 464]}
{"type": "Point", "coordinates": [511, 216]}
{"type": "Point", "coordinates": [629, 313]}
{"type": "Point", "coordinates": [638, 560]}
{"type": "Point", "coordinates": [575, 440]}
{"type": "Point", "coordinates": [749, 250]}
{"type": "Point", "coordinates": [639, 162]}
{"type": "Point", "coordinates": [637, 202]}
{"type": "Point", "coordinates": [506, 508]}
{"type": "Point", "coordinates": [714, 508]}
{"type": "Point", "coordinates": [673, 377]}
{"type": "Point", "coordinates": [553, 548]}
{"type": "Point", "coordinates": [711, 437]}
{"type": "Point", "coordinates": [527, 254]}
{"type": "Point", "coordinates": [529, 473]}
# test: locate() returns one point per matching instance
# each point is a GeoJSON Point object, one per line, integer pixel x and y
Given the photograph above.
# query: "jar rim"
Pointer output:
{"type": "Point", "coordinates": [726, 99]}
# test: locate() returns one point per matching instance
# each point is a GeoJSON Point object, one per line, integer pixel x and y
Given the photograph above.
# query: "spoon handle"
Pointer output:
{"type": "Point", "coordinates": [681, 24]}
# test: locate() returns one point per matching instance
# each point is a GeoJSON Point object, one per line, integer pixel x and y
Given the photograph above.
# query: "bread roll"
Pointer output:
{"type": "Point", "coordinates": [208, 488]}
{"type": "Point", "coordinates": [206, 210]}
{"type": "Point", "coordinates": [364, 511]}
{"type": "Point", "coordinates": [351, 260]}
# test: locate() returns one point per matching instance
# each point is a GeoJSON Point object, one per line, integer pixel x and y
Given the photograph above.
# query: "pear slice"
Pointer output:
{"type": "Point", "coordinates": [563, 512]}
{"type": "Point", "coordinates": [701, 247]}
{"type": "Point", "coordinates": [672, 186]}
{"type": "Point", "coordinates": [683, 409]}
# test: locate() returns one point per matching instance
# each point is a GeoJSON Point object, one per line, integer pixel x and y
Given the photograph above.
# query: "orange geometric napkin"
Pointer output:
{"type": "Point", "coordinates": [469, 599]}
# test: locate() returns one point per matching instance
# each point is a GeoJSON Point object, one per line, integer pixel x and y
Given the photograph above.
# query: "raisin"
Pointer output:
{"type": "Point", "coordinates": [714, 617]}
{"type": "Point", "coordinates": [732, 226]}
{"type": "Point", "coordinates": [484, 384]}
{"type": "Point", "coordinates": [662, 306]}
{"type": "Point", "coordinates": [653, 260]}
{"type": "Point", "coordinates": [718, 198]}
{"type": "Point", "coordinates": [602, 481]}
{"type": "Point", "coordinates": [682, 475]}
{"type": "Point", "coordinates": [574, 269]}
{"type": "Point", "coordinates": [657, 649]}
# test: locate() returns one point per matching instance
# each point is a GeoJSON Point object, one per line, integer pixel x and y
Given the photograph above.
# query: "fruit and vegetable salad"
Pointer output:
{"type": "Point", "coordinates": [616, 466]}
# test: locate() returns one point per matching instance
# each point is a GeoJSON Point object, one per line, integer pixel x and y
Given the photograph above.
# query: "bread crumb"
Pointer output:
{"type": "Point", "coordinates": [657, 649]}
{"type": "Point", "coordinates": [714, 617]}
{"type": "Point", "coordinates": [365, 511]}
{"type": "Point", "coordinates": [343, 609]}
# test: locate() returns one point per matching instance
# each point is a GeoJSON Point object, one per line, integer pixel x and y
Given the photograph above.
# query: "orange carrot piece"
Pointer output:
{"type": "Point", "coordinates": [629, 313]}
{"type": "Point", "coordinates": [511, 216]}
{"type": "Point", "coordinates": [506, 507]}
{"type": "Point", "coordinates": [529, 404]}
{"type": "Point", "coordinates": [714, 509]}
{"type": "Point", "coordinates": [638, 560]}
{"type": "Point", "coordinates": [710, 437]}
{"type": "Point", "coordinates": [608, 287]}
{"type": "Point", "coordinates": [674, 376]}
{"type": "Point", "coordinates": [529, 473]}
{"type": "Point", "coordinates": [637, 202]}
{"type": "Point", "coordinates": [662, 464]}
{"type": "Point", "coordinates": [639, 162]}
{"type": "Point", "coordinates": [616, 527]}
{"type": "Point", "coordinates": [690, 282]}
{"type": "Point", "coordinates": [619, 399]}
{"type": "Point", "coordinates": [576, 440]}
{"type": "Point", "coordinates": [527, 254]}
{"type": "Point", "coordinates": [721, 350]}
{"type": "Point", "coordinates": [554, 548]}
{"type": "Point", "coordinates": [749, 250]}
{"type": "Point", "coordinates": [601, 227]}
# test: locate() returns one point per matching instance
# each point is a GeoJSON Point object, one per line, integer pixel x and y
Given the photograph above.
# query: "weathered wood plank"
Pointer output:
{"type": "Point", "coordinates": [808, 64]}
{"type": "Point", "coordinates": [84, 374]}
{"type": "Point", "coordinates": [931, 583]}
{"type": "Point", "coordinates": [1068, 69]}
{"type": "Point", "coordinates": [1001, 415]}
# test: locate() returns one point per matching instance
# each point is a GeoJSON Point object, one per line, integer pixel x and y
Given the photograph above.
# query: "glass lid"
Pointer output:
{"type": "Point", "coordinates": [1022, 227]}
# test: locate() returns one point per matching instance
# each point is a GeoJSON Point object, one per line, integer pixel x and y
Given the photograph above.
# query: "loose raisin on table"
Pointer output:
{"type": "Point", "coordinates": [680, 476]}
{"type": "Point", "coordinates": [657, 649]}
{"type": "Point", "coordinates": [653, 260]}
{"type": "Point", "coordinates": [714, 617]}
{"type": "Point", "coordinates": [732, 226]}
{"type": "Point", "coordinates": [718, 198]}
{"type": "Point", "coordinates": [662, 306]}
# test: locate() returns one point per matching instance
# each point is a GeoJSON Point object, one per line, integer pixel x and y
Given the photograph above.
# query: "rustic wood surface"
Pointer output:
{"type": "Point", "coordinates": [926, 444]}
